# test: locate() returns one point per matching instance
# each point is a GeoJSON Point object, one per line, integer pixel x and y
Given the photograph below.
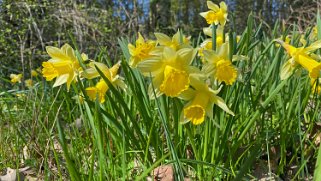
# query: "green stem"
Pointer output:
{"type": "Point", "coordinates": [214, 36]}
{"type": "Point", "coordinates": [223, 34]}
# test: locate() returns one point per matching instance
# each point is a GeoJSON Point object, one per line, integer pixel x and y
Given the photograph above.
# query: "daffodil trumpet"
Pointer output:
{"type": "Point", "coordinates": [311, 65]}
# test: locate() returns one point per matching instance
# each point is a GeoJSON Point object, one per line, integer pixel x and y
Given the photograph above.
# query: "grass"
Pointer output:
{"type": "Point", "coordinates": [275, 127]}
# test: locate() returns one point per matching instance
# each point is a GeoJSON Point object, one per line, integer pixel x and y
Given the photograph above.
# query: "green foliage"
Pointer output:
{"type": "Point", "coordinates": [28, 26]}
{"type": "Point", "coordinates": [275, 124]}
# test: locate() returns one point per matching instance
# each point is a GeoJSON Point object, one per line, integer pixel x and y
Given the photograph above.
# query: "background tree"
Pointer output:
{"type": "Point", "coordinates": [27, 26]}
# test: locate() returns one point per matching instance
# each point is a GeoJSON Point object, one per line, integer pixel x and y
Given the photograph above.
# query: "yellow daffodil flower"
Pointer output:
{"type": "Point", "coordinates": [174, 42]}
{"type": "Point", "coordinates": [34, 73]}
{"type": "Point", "coordinates": [29, 83]}
{"type": "Point", "coordinates": [100, 89]}
{"type": "Point", "coordinates": [287, 39]}
{"type": "Point", "coordinates": [207, 43]}
{"type": "Point", "coordinates": [39, 69]}
{"type": "Point", "coordinates": [79, 98]}
{"type": "Point", "coordinates": [63, 65]}
{"type": "Point", "coordinates": [141, 50]}
{"type": "Point", "coordinates": [216, 15]}
{"type": "Point", "coordinates": [170, 70]}
{"type": "Point", "coordinates": [301, 56]}
{"type": "Point", "coordinates": [201, 101]}
{"type": "Point", "coordinates": [15, 78]}
{"type": "Point", "coordinates": [21, 95]}
{"type": "Point", "coordinates": [219, 33]}
{"type": "Point", "coordinates": [218, 66]}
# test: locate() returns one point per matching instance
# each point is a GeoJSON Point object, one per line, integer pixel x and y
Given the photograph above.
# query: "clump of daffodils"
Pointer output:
{"type": "Point", "coordinates": [167, 60]}
{"type": "Point", "coordinates": [173, 75]}
{"type": "Point", "coordinates": [169, 63]}
{"type": "Point", "coordinates": [29, 83]}
{"type": "Point", "coordinates": [64, 66]}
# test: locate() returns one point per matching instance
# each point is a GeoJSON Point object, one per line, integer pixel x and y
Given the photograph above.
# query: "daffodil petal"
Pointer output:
{"type": "Point", "coordinates": [121, 84]}
{"type": "Point", "coordinates": [223, 6]}
{"type": "Point", "coordinates": [163, 39]}
{"type": "Point", "coordinates": [70, 52]}
{"type": "Point", "coordinates": [169, 54]}
{"type": "Point", "coordinates": [204, 14]}
{"type": "Point", "coordinates": [197, 83]}
{"type": "Point", "coordinates": [61, 80]}
{"type": "Point", "coordinates": [91, 92]}
{"type": "Point", "coordinates": [156, 82]}
{"type": "Point", "coordinates": [208, 31]}
{"type": "Point", "coordinates": [131, 49]}
{"type": "Point", "coordinates": [211, 56]}
{"type": "Point", "coordinates": [70, 78]}
{"type": "Point", "coordinates": [187, 94]}
{"type": "Point", "coordinates": [287, 70]}
{"type": "Point", "coordinates": [224, 50]}
{"type": "Point", "coordinates": [220, 103]}
{"type": "Point", "coordinates": [186, 55]}
{"type": "Point", "coordinates": [182, 119]}
{"type": "Point", "coordinates": [84, 56]}
{"type": "Point", "coordinates": [140, 39]}
{"type": "Point", "coordinates": [212, 6]}
{"type": "Point", "coordinates": [208, 69]}
{"type": "Point", "coordinates": [176, 37]}
{"type": "Point", "coordinates": [150, 66]}
{"type": "Point", "coordinates": [90, 73]}
{"type": "Point", "coordinates": [56, 53]}
{"type": "Point", "coordinates": [314, 46]}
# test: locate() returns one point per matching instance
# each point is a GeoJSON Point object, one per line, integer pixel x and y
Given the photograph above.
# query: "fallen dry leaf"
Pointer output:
{"type": "Point", "coordinates": [163, 173]}
{"type": "Point", "coordinates": [12, 175]}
